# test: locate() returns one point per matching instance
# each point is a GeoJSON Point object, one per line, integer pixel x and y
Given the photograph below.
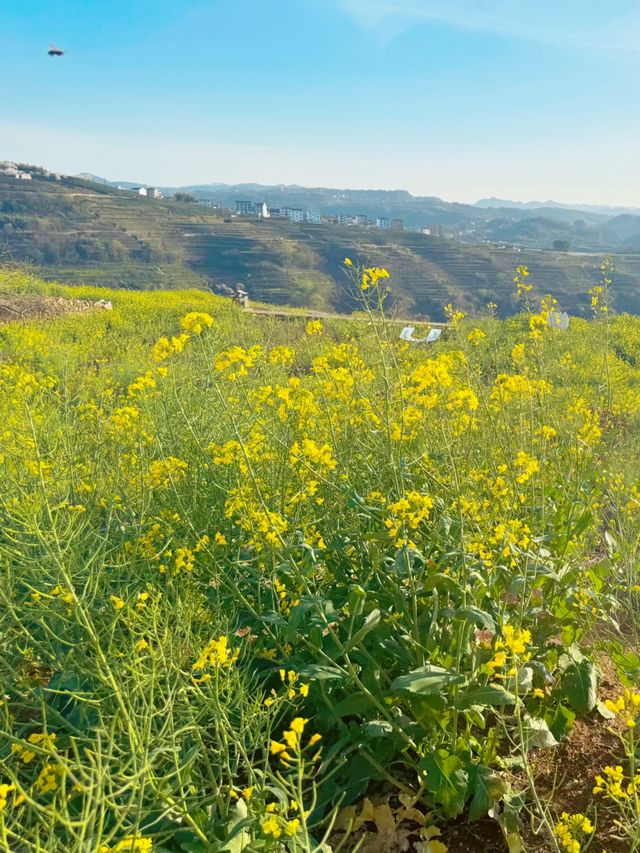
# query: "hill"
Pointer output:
{"type": "Point", "coordinates": [583, 225]}
{"type": "Point", "coordinates": [595, 209]}
{"type": "Point", "coordinates": [82, 231]}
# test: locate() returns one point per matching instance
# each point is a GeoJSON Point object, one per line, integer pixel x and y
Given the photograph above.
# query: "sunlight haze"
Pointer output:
{"type": "Point", "coordinates": [457, 99]}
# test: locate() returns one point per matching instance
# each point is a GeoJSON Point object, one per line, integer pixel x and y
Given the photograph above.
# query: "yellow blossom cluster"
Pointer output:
{"type": "Point", "coordinates": [408, 512]}
{"type": "Point", "coordinates": [165, 472]}
{"type": "Point", "coordinates": [5, 790]}
{"type": "Point", "coordinates": [512, 647]}
{"type": "Point", "coordinates": [129, 844]}
{"type": "Point", "coordinates": [164, 348]}
{"type": "Point", "coordinates": [613, 784]}
{"type": "Point", "coordinates": [235, 362]}
{"type": "Point", "coordinates": [626, 706]}
{"type": "Point", "coordinates": [571, 830]}
{"type": "Point", "coordinates": [195, 322]}
{"type": "Point", "coordinates": [292, 747]}
{"type": "Point", "coordinates": [216, 653]}
{"type": "Point", "coordinates": [371, 276]}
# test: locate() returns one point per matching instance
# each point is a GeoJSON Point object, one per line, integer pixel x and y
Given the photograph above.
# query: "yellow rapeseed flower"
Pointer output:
{"type": "Point", "coordinates": [196, 322]}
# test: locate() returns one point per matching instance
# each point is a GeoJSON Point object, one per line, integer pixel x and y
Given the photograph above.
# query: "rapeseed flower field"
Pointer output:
{"type": "Point", "coordinates": [302, 586]}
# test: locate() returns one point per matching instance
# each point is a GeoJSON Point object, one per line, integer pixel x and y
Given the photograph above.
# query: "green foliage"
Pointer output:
{"type": "Point", "coordinates": [247, 563]}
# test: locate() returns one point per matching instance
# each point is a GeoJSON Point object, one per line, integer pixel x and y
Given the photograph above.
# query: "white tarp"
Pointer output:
{"type": "Point", "coordinates": [407, 335]}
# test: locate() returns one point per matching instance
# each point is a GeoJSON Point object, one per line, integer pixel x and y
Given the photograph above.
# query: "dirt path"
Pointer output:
{"type": "Point", "coordinates": [325, 315]}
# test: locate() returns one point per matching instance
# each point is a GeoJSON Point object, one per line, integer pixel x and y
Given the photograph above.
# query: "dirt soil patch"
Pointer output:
{"type": "Point", "coordinates": [20, 308]}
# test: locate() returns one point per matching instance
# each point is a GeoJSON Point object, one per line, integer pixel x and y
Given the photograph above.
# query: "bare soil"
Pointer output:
{"type": "Point", "coordinates": [20, 308]}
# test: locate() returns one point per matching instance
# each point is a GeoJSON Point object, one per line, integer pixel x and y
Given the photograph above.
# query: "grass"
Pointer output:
{"type": "Point", "coordinates": [284, 586]}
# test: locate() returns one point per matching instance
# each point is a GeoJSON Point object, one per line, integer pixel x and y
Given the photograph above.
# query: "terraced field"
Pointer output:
{"type": "Point", "coordinates": [83, 232]}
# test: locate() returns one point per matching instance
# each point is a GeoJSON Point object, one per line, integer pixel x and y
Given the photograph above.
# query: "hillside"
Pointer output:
{"type": "Point", "coordinates": [584, 226]}
{"type": "Point", "coordinates": [81, 231]}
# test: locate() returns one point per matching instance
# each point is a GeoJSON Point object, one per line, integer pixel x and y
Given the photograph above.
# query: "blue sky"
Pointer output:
{"type": "Point", "coordinates": [527, 99]}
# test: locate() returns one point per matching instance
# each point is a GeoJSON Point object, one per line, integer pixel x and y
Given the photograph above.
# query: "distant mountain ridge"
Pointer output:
{"type": "Point", "coordinates": [541, 225]}
{"type": "Point", "coordinates": [80, 230]}
{"type": "Point", "coordinates": [600, 209]}
{"type": "Point", "coordinates": [384, 196]}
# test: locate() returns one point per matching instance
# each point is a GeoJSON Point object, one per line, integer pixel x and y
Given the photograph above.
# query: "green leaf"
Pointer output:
{"type": "Point", "coordinates": [537, 734]}
{"type": "Point", "coordinates": [627, 665]}
{"type": "Point", "coordinates": [446, 780]}
{"type": "Point", "coordinates": [440, 581]}
{"type": "Point", "coordinates": [479, 617]}
{"type": "Point", "coordinates": [370, 623]}
{"type": "Point", "coordinates": [425, 680]}
{"type": "Point", "coordinates": [377, 728]}
{"type": "Point", "coordinates": [488, 788]}
{"type": "Point", "coordinates": [492, 695]}
{"type": "Point", "coordinates": [560, 721]}
{"type": "Point", "coordinates": [579, 685]}
{"type": "Point", "coordinates": [316, 672]}
{"type": "Point", "coordinates": [355, 705]}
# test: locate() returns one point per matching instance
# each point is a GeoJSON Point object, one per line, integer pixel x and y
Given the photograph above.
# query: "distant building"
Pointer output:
{"type": "Point", "coordinates": [343, 219]}
{"type": "Point", "coordinates": [244, 208]}
{"type": "Point", "coordinates": [262, 210]}
{"type": "Point", "coordinates": [139, 190]}
{"type": "Point", "coordinates": [426, 230]}
{"type": "Point", "coordinates": [383, 223]}
{"type": "Point", "coordinates": [360, 220]}
{"type": "Point", "coordinates": [275, 212]}
{"type": "Point", "coordinates": [312, 217]}
{"type": "Point", "coordinates": [152, 192]}
{"type": "Point", "coordinates": [23, 176]}
{"type": "Point", "coordinates": [396, 225]}
{"type": "Point", "coordinates": [296, 214]}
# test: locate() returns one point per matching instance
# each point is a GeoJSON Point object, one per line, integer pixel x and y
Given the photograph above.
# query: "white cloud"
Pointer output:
{"type": "Point", "coordinates": [595, 24]}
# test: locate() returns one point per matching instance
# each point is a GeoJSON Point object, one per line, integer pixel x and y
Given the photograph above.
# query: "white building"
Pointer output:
{"type": "Point", "coordinates": [383, 223]}
{"type": "Point", "coordinates": [312, 217]}
{"type": "Point", "coordinates": [296, 214]}
{"type": "Point", "coordinates": [262, 209]}
{"type": "Point", "coordinates": [361, 220]}
{"type": "Point", "coordinates": [23, 176]}
{"type": "Point", "coordinates": [244, 208]}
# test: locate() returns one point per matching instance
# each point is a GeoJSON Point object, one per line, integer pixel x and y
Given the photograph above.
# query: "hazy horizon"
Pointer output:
{"type": "Point", "coordinates": [461, 100]}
